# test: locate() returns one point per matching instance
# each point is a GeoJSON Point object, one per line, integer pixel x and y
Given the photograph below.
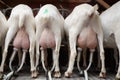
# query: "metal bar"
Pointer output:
{"type": "Point", "coordinates": [103, 3]}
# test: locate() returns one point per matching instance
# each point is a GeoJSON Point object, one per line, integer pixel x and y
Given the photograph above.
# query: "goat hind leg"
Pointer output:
{"type": "Point", "coordinates": [58, 39]}
{"type": "Point", "coordinates": [31, 33]}
{"type": "Point", "coordinates": [9, 36]}
{"type": "Point", "coordinates": [118, 45]}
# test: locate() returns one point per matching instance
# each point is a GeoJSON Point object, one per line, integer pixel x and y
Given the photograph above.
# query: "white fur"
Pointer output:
{"type": "Point", "coordinates": [21, 16]}
{"type": "Point", "coordinates": [52, 20]}
{"type": "Point", "coordinates": [111, 26]}
{"type": "Point", "coordinates": [74, 23]}
{"type": "Point", "coordinates": [3, 28]}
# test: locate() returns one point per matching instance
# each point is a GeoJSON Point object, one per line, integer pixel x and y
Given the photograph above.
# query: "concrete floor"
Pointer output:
{"type": "Point", "coordinates": [93, 75]}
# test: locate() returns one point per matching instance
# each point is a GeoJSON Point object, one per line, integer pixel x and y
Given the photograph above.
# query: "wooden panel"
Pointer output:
{"type": "Point", "coordinates": [78, 1]}
{"type": "Point", "coordinates": [103, 3]}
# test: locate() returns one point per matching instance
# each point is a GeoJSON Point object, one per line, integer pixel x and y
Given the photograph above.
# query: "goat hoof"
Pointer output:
{"type": "Point", "coordinates": [117, 78]}
{"type": "Point", "coordinates": [68, 74]}
{"type": "Point", "coordinates": [57, 74]}
{"type": "Point", "coordinates": [102, 75]}
{"type": "Point", "coordinates": [1, 75]}
{"type": "Point", "coordinates": [34, 74]}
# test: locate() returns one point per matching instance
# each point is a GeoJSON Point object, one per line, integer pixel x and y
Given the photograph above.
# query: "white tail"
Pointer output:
{"type": "Point", "coordinates": [21, 20]}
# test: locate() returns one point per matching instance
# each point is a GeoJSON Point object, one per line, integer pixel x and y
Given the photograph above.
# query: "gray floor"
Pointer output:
{"type": "Point", "coordinates": [75, 77]}
{"type": "Point", "coordinates": [93, 75]}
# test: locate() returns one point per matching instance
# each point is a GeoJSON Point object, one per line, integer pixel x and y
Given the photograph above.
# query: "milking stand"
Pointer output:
{"type": "Point", "coordinates": [90, 62]}
{"type": "Point", "coordinates": [13, 72]}
{"type": "Point", "coordinates": [8, 76]}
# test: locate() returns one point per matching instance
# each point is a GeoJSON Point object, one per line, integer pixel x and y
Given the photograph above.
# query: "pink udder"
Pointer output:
{"type": "Point", "coordinates": [21, 40]}
{"type": "Point", "coordinates": [87, 38]}
{"type": "Point", "coordinates": [47, 39]}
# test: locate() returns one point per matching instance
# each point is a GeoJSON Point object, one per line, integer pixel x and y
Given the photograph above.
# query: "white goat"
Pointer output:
{"type": "Point", "coordinates": [83, 16]}
{"type": "Point", "coordinates": [49, 31]}
{"type": "Point", "coordinates": [3, 30]}
{"type": "Point", "coordinates": [111, 26]}
{"type": "Point", "coordinates": [21, 17]}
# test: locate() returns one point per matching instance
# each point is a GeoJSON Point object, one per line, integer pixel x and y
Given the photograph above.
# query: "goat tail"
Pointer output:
{"type": "Point", "coordinates": [93, 10]}
{"type": "Point", "coordinates": [45, 18]}
{"type": "Point", "coordinates": [21, 21]}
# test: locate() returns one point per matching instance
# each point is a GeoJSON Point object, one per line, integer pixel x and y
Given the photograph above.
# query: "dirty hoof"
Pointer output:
{"type": "Point", "coordinates": [57, 74]}
{"type": "Point", "coordinates": [102, 75]}
{"type": "Point", "coordinates": [117, 78]}
{"type": "Point", "coordinates": [34, 74]}
{"type": "Point", "coordinates": [1, 75]}
{"type": "Point", "coordinates": [68, 74]}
